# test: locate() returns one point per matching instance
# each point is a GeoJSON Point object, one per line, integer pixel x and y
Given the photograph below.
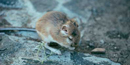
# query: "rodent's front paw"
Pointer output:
{"type": "Point", "coordinates": [57, 52]}
{"type": "Point", "coordinates": [71, 48]}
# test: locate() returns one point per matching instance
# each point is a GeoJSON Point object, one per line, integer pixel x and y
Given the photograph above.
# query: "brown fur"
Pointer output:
{"type": "Point", "coordinates": [51, 24]}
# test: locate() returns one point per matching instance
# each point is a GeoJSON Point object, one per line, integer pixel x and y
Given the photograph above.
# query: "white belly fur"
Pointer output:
{"type": "Point", "coordinates": [46, 39]}
{"type": "Point", "coordinates": [49, 39]}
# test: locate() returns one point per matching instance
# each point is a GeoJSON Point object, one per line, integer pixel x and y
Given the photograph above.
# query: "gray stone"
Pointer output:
{"type": "Point", "coordinates": [25, 17]}
{"type": "Point", "coordinates": [87, 59]}
{"type": "Point", "coordinates": [35, 62]}
{"type": "Point", "coordinates": [71, 14]}
{"type": "Point", "coordinates": [20, 51]}
{"type": "Point", "coordinates": [11, 3]}
{"type": "Point", "coordinates": [7, 46]}
{"type": "Point", "coordinates": [99, 61]}
{"type": "Point", "coordinates": [17, 18]}
{"type": "Point", "coordinates": [79, 7]}
{"type": "Point", "coordinates": [44, 5]}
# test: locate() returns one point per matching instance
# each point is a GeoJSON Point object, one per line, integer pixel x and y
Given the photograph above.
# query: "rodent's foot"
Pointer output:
{"type": "Point", "coordinates": [57, 52]}
{"type": "Point", "coordinates": [71, 48]}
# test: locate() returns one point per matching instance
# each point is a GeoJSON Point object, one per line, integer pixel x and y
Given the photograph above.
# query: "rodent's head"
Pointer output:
{"type": "Point", "coordinates": [70, 31]}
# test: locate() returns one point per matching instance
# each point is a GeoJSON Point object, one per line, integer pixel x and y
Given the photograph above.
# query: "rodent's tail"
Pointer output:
{"type": "Point", "coordinates": [19, 29]}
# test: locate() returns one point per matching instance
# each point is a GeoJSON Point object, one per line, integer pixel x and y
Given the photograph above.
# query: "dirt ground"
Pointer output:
{"type": "Point", "coordinates": [108, 27]}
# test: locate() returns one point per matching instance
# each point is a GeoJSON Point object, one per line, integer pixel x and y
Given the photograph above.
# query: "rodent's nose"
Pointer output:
{"type": "Point", "coordinates": [74, 45]}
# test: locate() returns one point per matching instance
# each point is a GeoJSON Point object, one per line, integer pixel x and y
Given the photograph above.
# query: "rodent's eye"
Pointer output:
{"type": "Point", "coordinates": [75, 24]}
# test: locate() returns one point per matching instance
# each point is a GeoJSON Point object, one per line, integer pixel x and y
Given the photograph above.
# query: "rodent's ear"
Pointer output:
{"type": "Point", "coordinates": [64, 30]}
{"type": "Point", "coordinates": [73, 19]}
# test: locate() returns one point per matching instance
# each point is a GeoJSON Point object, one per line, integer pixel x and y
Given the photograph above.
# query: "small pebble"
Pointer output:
{"type": "Point", "coordinates": [102, 41]}
{"type": "Point", "coordinates": [98, 51]}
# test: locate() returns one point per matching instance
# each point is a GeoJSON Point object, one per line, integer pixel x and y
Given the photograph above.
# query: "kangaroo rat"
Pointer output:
{"type": "Point", "coordinates": [57, 27]}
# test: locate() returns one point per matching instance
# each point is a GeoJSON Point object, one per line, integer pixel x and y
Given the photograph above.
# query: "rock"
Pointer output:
{"type": "Point", "coordinates": [36, 62]}
{"type": "Point", "coordinates": [98, 50]}
{"type": "Point", "coordinates": [17, 18]}
{"type": "Point", "coordinates": [79, 8]}
{"type": "Point", "coordinates": [4, 23]}
{"type": "Point", "coordinates": [98, 60]}
{"type": "Point", "coordinates": [7, 46]}
{"type": "Point", "coordinates": [20, 51]}
{"type": "Point", "coordinates": [44, 5]}
{"type": "Point", "coordinates": [11, 3]}
{"type": "Point", "coordinates": [23, 17]}
{"type": "Point", "coordinates": [1, 34]}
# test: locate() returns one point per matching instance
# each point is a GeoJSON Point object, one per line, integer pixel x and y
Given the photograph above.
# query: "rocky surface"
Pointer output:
{"type": "Point", "coordinates": [11, 4]}
{"type": "Point", "coordinates": [44, 5]}
{"type": "Point", "coordinates": [105, 25]}
{"type": "Point", "coordinates": [20, 51]}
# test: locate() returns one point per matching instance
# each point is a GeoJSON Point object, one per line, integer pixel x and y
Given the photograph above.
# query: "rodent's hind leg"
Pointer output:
{"type": "Point", "coordinates": [53, 49]}
{"type": "Point", "coordinates": [69, 47]}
